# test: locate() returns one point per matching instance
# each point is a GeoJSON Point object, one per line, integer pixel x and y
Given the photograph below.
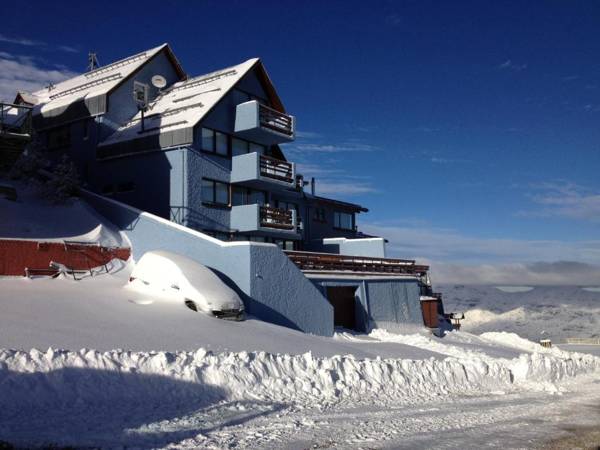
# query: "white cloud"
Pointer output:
{"type": "Point", "coordinates": [31, 43]}
{"type": "Point", "coordinates": [307, 134]}
{"type": "Point", "coordinates": [445, 245]}
{"type": "Point", "coordinates": [509, 65]}
{"type": "Point", "coordinates": [331, 187]}
{"type": "Point", "coordinates": [457, 258]}
{"type": "Point", "coordinates": [565, 199]}
{"type": "Point", "coordinates": [538, 273]}
{"type": "Point", "coordinates": [20, 41]}
{"type": "Point", "coordinates": [25, 73]}
{"type": "Point", "coordinates": [332, 148]}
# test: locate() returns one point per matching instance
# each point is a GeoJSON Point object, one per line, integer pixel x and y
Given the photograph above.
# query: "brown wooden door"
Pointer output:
{"type": "Point", "coordinates": [430, 313]}
{"type": "Point", "coordinates": [344, 305]}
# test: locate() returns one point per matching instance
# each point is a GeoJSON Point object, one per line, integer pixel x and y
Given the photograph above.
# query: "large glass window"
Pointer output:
{"type": "Point", "coordinates": [215, 142]}
{"type": "Point", "coordinates": [208, 140]}
{"type": "Point", "coordinates": [343, 220]}
{"type": "Point", "coordinates": [215, 192]}
{"type": "Point", "coordinates": [245, 196]}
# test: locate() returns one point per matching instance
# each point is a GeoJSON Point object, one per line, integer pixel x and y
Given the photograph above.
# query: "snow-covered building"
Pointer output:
{"type": "Point", "coordinates": [204, 152]}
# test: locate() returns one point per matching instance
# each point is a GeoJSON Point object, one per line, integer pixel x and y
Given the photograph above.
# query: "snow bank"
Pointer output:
{"type": "Point", "coordinates": [302, 380]}
{"type": "Point", "coordinates": [299, 380]}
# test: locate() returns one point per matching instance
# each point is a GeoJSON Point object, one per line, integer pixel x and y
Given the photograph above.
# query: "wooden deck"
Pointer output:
{"type": "Point", "coordinates": [330, 262]}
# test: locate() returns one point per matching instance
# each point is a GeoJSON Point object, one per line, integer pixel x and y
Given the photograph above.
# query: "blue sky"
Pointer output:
{"type": "Point", "coordinates": [469, 129]}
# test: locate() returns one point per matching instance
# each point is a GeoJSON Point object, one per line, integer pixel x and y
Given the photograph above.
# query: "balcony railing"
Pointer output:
{"type": "Point", "coordinates": [280, 219]}
{"type": "Point", "coordinates": [275, 120]}
{"type": "Point", "coordinates": [331, 262]}
{"type": "Point", "coordinates": [263, 124]}
{"type": "Point", "coordinates": [276, 169]}
{"type": "Point", "coordinates": [15, 120]}
{"type": "Point", "coordinates": [262, 172]}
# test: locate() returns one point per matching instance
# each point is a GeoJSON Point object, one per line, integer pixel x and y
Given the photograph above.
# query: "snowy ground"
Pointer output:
{"type": "Point", "coordinates": [552, 312]}
{"type": "Point", "coordinates": [33, 217]}
{"type": "Point", "coordinates": [187, 380]}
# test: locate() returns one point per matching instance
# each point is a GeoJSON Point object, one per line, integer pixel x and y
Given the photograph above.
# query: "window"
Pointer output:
{"type": "Point", "coordinates": [285, 245]}
{"type": "Point", "coordinates": [215, 192]}
{"type": "Point", "coordinates": [260, 149]}
{"type": "Point", "coordinates": [319, 215]}
{"type": "Point", "coordinates": [288, 206]}
{"type": "Point", "coordinates": [215, 142]}
{"type": "Point", "coordinates": [59, 138]}
{"type": "Point", "coordinates": [342, 220]}
{"type": "Point", "coordinates": [245, 196]}
{"type": "Point", "coordinates": [239, 147]}
{"type": "Point", "coordinates": [221, 144]}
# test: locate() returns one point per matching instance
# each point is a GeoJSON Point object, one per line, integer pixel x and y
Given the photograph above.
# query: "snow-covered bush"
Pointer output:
{"type": "Point", "coordinates": [57, 181]}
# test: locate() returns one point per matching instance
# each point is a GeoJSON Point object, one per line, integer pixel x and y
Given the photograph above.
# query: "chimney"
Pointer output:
{"type": "Point", "coordinates": [312, 185]}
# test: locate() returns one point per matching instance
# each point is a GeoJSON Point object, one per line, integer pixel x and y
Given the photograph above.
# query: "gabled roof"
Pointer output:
{"type": "Point", "coordinates": [97, 82]}
{"type": "Point", "coordinates": [25, 98]}
{"type": "Point", "coordinates": [185, 103]}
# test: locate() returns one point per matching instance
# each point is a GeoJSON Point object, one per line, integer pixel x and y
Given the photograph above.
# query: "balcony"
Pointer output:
{"type": "Point", "coordinates": [264, 220]}
{"type": "Point", "coordinates": [329, 262]}
{"type": "Point", "coordinates": [15, 132]}
{"type": "Point", "coordinates": [264, 125]}
{"type": "Point", "coordinates": [262, 172]}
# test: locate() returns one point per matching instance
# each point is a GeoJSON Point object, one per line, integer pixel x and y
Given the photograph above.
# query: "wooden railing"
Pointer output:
{"type": "Point", "coordinates": [276, 169]}
{"type": "Point", "coordinates": [276, 218]}
{"type": "Point", "coordinates": [275, 120]}
{"type": "Point", "coordinates": [330, 262]}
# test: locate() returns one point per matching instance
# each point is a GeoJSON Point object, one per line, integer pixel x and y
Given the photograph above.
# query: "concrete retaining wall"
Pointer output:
{"type": "Point", "coordinates": [273, 288]}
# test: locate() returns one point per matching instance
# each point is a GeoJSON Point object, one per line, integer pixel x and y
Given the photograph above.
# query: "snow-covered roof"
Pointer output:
{"type": "Point", "coordinates": [26, 97]}
{"type": "Point", "coordinates": [91, 84]}
{"type": "Point", "coordinates": [183, 104]}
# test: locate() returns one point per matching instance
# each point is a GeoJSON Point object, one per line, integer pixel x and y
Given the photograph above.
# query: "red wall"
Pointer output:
{"type": "Point", "coordinates": [17, 255]}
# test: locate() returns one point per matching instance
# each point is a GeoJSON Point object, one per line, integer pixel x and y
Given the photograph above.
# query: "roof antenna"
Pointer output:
{"type": "Point", "coordinates": [92, 61]}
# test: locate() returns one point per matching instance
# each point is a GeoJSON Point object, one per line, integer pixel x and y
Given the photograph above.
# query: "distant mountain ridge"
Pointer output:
{"type": "Point", "coordinates": [553, 312]}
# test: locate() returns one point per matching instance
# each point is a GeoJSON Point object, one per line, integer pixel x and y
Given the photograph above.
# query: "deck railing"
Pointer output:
{"type": "Point", "coordinates": [276, 169]}
{"type": "Point", "coordinates": [331, 262]}
{"type": "Point", "coordinates": [15, 119]}
{"type": "Point", "coordinates": [276, 218]}
{"type": "Point", "coordinates": [274, 120]}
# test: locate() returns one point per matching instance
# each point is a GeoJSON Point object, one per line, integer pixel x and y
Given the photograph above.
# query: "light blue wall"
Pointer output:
{"type": "Point", "coordinates": [272, 287]}
{"type": "Point", "coordinates": [370, 247]}
{"type": "Point", "coordinates": [381, 303]}
{"type": "Point", "coordinates": [159, 178]}
{"type": "Point", "coordinates": [202, 165]}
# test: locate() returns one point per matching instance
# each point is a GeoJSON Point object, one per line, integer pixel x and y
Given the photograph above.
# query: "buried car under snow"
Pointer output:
{"type": "Point", "coordinates": [193, 283]}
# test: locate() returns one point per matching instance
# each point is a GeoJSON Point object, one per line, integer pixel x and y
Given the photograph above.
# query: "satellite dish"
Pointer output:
{"type": "Point", "coordinates": [158, 81]}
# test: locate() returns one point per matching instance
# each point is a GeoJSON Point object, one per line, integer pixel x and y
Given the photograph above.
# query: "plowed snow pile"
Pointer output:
{"type": "Point", "coordinates": [189, 380]}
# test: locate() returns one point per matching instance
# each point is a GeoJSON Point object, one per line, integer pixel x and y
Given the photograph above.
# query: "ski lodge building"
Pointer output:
{"type": "Point", "coordinates": [194, 165]}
